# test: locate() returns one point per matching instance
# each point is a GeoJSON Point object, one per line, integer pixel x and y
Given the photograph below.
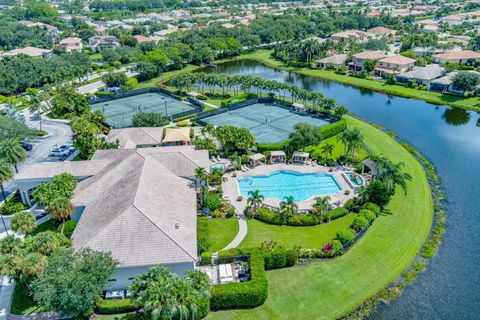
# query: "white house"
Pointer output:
{"type": "Point", "coordinates": [71, 44]}
{"type": "Point", "coordinates": [137, 204]}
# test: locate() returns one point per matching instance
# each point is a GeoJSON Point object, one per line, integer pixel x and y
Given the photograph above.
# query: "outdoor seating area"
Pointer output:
{"type": "Point", "coordinates": [278, 156]}
{"type": "Point", "coordinates": [301, 157]}
{"type": "Point", "coordinates": [257, 159]}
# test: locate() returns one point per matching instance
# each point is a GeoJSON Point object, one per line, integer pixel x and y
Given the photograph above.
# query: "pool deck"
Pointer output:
{"type": "Point", "coordinates": [231, 190]}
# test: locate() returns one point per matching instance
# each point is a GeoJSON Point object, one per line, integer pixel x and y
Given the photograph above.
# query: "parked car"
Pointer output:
{"type": "Point", "coordinates": [26, 145]}
{"type": "Point", "coordinates": [62, 151]}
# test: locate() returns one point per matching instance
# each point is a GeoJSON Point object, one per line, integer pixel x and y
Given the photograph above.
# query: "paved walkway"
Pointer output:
{"type": "Point", "coordinates": [6, 292]}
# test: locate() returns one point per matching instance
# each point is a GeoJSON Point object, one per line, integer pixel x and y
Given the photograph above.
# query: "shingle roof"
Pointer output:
{"type": "Point", "coordinates": [373, 55]}
{"type": "Point", "coordinates": [379, 30]}
{"type": "Point", "coordinates": [429, 72]}
{"type": "Point", "coordinates": [397, 59]}
{"type": "Point", "coordinates": [46, 170]}
{"type": "Point", "coordinates": [130, 138]}
{"type": "Point", "coordinates": [334, 59]}
{"type": "Point", "coordinates": [139, 207]}
{"type": "Point", "coordinates": [465, 54]}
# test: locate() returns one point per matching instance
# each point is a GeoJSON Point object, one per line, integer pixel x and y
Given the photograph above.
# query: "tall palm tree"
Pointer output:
{"type": "Point", "coordinates": [6, 173]}
{"type": "Point", "coordinates": [12, 152]}
{"type": "Point", "coordinates": [255, 199]}
{"type": "Point", "coordinates": [23, 222]}
{"type": "Point", "coordinates": [202, 182]}
{"type": "Point", "coordinates": [33, 264]}
{"type": "Point", "coordinates": [362, 194]}
{"type": "Point", "coordinates": [355, 140]}
{"type": "Point", "coordinates": [344, 138]}
{"type": "Point", "coordinates": [60, 208]}
{"type": "Point", "coordinates": [327, 150]}
{"type": "Point", "coordinates": [392, 174]}
{"type": "Point", "coordinates": [289, 205]}
{"type": "Point", "coordinates": [321, 204]}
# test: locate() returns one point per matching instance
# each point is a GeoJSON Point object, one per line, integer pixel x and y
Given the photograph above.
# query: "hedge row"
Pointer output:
{"type": "Point", "coordinates": [278, 258]}
{"type": "Point", "coordinates": [263, 147]}
{"type": "Point", "coordinates": [249, 294]}
{"type": "Point", "coordinates": [205, 258]}
{"type": "Point", "coordinates": [112, 306]}
{"type": "Point", "coordinates": [333, 129]}
{"type": "Point", "coordinates": [331, 249]}
{"type": "Point", "coordinates": [303, 219]}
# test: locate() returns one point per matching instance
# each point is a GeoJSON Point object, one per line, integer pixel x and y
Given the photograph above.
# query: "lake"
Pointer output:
{"type": "Point", "coordinates": [450, 138]}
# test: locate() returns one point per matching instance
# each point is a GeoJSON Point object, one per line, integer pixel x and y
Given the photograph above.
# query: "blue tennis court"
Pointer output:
{"type": "Point", "coordinates": [119, 112]}
{"type": "Point", "coordinates": [269, 123]}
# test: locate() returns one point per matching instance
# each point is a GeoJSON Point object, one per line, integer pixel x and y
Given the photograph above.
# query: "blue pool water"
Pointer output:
{"type": "Point", "coordinates": [281, 184]}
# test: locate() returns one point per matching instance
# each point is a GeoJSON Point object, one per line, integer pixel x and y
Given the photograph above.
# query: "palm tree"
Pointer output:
{"type": "Point", "coordinates": [343, 137]}
{"type": "Point", "coordinates": [60, 208]}
{"type": "Point", "coordinates": [362, 192]}
{"type": "Point", "coordinates": [255, 199]}
{"type": "Point", "coordinates": [23, 222]}
{"type": "Point", "coordinates": [202, 182]}
{"type": "Point", "coordinates": [392, 174]}
{"type": "Point", "coordinates": [6, 173]}
{"type": "Point", "coordinates": [10, 265]}
{"type": "Point", "coordinates": [12, 152]}
{"type": "Point", "coordinates": [288, 205]}
{"type": "Point", "coordinates": [33, 264]}
{"type": "Point", "coordinates": [355, 140]}
{"type": "Point", "coordinates": [321, 204]}
{"type": "Point", "coordinates": [327, 150]}
{"type": "Point", "coordinates": [36, 99]}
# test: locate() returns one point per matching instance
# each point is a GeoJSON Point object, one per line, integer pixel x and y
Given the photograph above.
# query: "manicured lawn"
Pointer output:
{"type": "Point", "coordinates": [331, 288]}
{"type": "Point", "coordinates": [263, 56]}
{"type": "Point", "coordinates": [222, 232]}
{"type": "Point", "coordinates": [288, 237]}
{"type": "Point", "coordinates": [22, 303]}
{"type": "Point", "coordinates": [218, 232]}
{"type": "Point", "coordinates": [360, 154]}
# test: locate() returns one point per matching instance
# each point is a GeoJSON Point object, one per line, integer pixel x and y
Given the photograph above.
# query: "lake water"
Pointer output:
{"type": "Point", "coordinates": [450, 138]}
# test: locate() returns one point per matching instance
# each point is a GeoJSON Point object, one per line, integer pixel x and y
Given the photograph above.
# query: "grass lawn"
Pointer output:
{"type": "Point", "coordinates": [330, 288]}
{"type": "Point", "coordinates": [222, 232]}
{"type": "Point", "coordinates": [218, 232]}
{"type": "Point", "coordinates": [164, 77]}
{"type": "Point", "coordinates": [360, 154]}
{"type": "Point", "coordinates": [263, 56]}
{"type": "Point", "coordinates": [288, 237]}
{"type": "Point", "coordinates": [22, 303]}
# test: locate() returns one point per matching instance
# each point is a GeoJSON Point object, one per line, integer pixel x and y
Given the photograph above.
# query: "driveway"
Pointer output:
{"type": "Point", "coordinates": [94, 86]}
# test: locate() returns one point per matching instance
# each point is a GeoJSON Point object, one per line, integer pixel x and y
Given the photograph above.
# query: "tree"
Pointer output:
{"type": "Point", "coordinates": [369, 65]}
{"type": "Point", "coordinates": [6, 173]}
{"type": "Point", "coordinates": [44, 243]}
{"type": "Point", "coordinates": [33, 264]}
{"type": "Point", "coordinates": [391, 174]}
{"type": "Point", "coordinates": [327, 150]}
{"type": "Point", "coordinates": [305, 135]}
{"type": "Point", "coordinates": [202, 181]}
{"type": "Point", "coordinates": [321, 204]}
{"type": "Point", "coordinates": [60, 208]}
{"type": "Point", "coordinates": [23, 222]}
{"type": "Point", "coordinates": [10, 265]}
{"type": "Point", "coordinates": [255, 199]}
{"type": "Point", "coordinates": [12, 152]}
{"type": "Point", "coordinates": [68, 104]}
{"type": "Point", "coordinates": [288, 208]}
{"type": "Point", "coordinates": [148, 119]}
{"type": "Point", "coordinates": [165, 295]}
{"type": "Point", "coordinates": [235, 139]}
{"type": "Point", "coordinates": [36, 99]}
{"type": "Point", "coordinates": [465, 81]}
{"type": "Point", "coordinates": [379, 193]}
{"type": "Point", "coordinates": [73, 281]}
{"type": "Point", "coordinates": [115, 79]}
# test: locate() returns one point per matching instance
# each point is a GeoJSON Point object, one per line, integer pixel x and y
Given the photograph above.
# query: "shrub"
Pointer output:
{"type": "Point", "coordinates": [360, 223]}
{"type": "Point", "coordinates": [268, 216]}
{"type": "Point", "coordinates": [291, 257]}
{"type": "Point", "coordinates": [349, 205]}
{"type": "Point", "coordinates": [228, 256]}
{"type": "Point", "coordinates": [12, 206]}
{"type": "Point", "coordinates": [304, 219]}
{"type": "Point", "coordinates": [337, 247]}
{"type": "Point", "coordinates": [263, 147]}
{"type": "Point", "coordinates": [332, 129]}
{"type": "Point", "coordinates": [69, 227]}
{"type": "Point", "coordinates": [367, 214]}
{"type": "Point", "coordinates": [336, 213]}
{"type": "Point", "coordinates": [212, 201]}
{"type": "Point", "coordinates": [203, 308]}
{"type": "Point", "coordinates": [230, 213]}
{"type": "Point", "coordinates": [205, 258]}
{"type": "Point", "coordinates": [41, 133]}
{"type": "Point", "coordinates": [345, 236]}
{"type": "Point", "coordinates": [217, 213]}
{"type": "Point", "coordinates": [372, 207]}
{"type": "Point", "coordinates": [182, 123]}
{"type": "Point", "coordinates": [111, 306]}
{"type": "Point", "coordinates": [275, 259]}
{"type": "Point", "coordinates": [249, 294]}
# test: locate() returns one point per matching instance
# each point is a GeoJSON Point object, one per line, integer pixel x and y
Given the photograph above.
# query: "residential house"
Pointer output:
{"type": "Point", "coordinates": [98, 43]}
{"type": "Point", "coordinates": [333, 62]}
{"type": "Point", "coordinates": [72, 44]}
{"type": "Point", "coordinates": [358, 60]}
{"type": "Point", "coordinates": [29, 51]}
{"type": "Point", "coordinates": [430, 51]}
{"type": "Point", "coordinates": [393, 65]}
{"type": "Point", "coordinates": [422, 75]}
{"type": "Point", "coordinates": [137, 204]}
{"type": "Point", "coordinates": [379, 32]}
{"type": "Point", "coordinates": [444, 83]}
{"type": "Point", "coordinates": [142, 39]}
{"type": "Point", "coordinates": [428, 25]}
{"type": "Point", "coordinates": [467, 57]}
{"type": "Point", "coordinates": [47, 27]}
{"type": "Point", "coordinates": [350, 35]}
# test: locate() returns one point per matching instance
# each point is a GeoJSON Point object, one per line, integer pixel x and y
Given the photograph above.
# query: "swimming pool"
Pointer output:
{"type": "Point", "coordinates": [218, 165]}
{"type": "Point", "coordinates": [353, 179]}
{"type": "Point", "coordinates": [281, 184]}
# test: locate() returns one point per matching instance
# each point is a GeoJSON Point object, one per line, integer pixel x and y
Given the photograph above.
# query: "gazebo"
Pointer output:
{"type": "Point", "coordinates": [372, 165]}
{"type": "Point", "coordinates": [278, 156]}
{"type": "Point", "coordinates": [256, 158]}
{"type": "Point", "coordinates": [176, 135]}
{"type": "Point", "coordinates": [299, 107]}
{"type": "Point", "coordinates": [299, 156]}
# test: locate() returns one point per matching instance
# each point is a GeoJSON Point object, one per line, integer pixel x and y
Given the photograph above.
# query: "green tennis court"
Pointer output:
{"type": "Point", "coordinates": [269, 123]}
{"type": "Point", "coordinates": [119, 112]}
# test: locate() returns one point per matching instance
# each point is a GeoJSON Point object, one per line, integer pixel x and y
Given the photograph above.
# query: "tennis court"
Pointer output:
{"type": "Point", "coordinates": [269, 123]}
{"type": "Point", "coordinates": [119, 112]}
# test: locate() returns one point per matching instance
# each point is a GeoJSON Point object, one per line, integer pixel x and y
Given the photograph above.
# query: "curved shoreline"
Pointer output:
{"type": "Point", "coordinates": [335, 288]}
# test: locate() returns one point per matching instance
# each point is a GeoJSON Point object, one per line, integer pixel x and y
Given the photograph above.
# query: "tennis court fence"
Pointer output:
{"type": "Point", "coordinates": [126, 94]}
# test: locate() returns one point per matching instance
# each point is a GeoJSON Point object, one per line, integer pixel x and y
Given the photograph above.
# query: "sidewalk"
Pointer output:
{"type": "Point", "coordinates": [6, 295]}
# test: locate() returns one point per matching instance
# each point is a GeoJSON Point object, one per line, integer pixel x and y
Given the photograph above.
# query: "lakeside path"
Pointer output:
{"type": "Point", "coordinates": [331, 288]}
{"type": "Point", "coordinates": [263, 56]}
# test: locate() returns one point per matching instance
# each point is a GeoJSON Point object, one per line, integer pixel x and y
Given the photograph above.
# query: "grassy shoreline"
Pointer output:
{"type": "Point", "coordinates": [331, 288]}
{"type": "Point", "coordinates": [263, 56]}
